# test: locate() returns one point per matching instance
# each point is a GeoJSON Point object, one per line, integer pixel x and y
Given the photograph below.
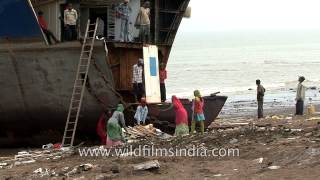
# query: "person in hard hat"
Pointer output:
{"type": "Point", "coordinates": [182, 127]}
{"type": "Point", "coordinates": [141, 112]}
{"type": "Point", "coordinates": [198, 114]}
{"type": "Point", "coordinates": [114, 127]}
{"type": "Point", "coordinates": [300, 96]}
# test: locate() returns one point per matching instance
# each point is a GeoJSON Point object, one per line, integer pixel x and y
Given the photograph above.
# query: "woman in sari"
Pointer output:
{"type": "Point", "coordinates": [182, 127]}
{"type": "Point", "coordinates": [114, 130]}
{"type": "Point", "coordinates": [198, 115]}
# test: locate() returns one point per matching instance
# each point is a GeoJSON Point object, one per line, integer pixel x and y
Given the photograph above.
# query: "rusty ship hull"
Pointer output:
{"type": "Point", "coordinates": [37, 80]}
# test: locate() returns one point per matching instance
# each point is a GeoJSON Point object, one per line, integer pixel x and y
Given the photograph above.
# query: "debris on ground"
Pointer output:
{"type": "Point", "coordinates": [148, 131]}
{"type": "Point", "coordinates": [147, 165]}
{"type": "Point", "coordinates": [29, 157]}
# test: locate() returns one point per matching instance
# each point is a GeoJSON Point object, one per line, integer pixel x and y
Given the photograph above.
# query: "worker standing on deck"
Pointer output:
{"type": "Point", "coordinates": [44, 26]}
{"type": "Point", "coordinates": [143, 22]}
{"type": "Point", "coordinates": [300, 96]}
{"type": "Point", "coordinates": [123, 12]}
{"type": "Point", "coordinates": [260, 95]}
{"type": "Point", "coordinates": [198, 114]}
{"type": "Point", "coordinates": [182, 127]}
{"type": "Point", "coordinates": [137, 80]}
{"type": "Point", "coordinates": [70, 22]}
{"type": "Point", "coordinates": [163, 77]}
{"type": "Point", "coordinates": [142, 112]}
{"type": "Point", "coordinates": [114, 127]}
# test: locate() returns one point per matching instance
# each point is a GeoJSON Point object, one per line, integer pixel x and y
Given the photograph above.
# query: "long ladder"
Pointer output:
{"type": "Point", "coordinates": [79, 84]}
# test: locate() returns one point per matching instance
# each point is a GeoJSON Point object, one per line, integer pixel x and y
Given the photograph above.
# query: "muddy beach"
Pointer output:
{"type": "Point", "coordinates": [277, 147]}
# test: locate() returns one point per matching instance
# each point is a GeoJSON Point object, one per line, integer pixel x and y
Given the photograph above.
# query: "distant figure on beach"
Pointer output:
{"type": "Point", "coordinates": [141, 112]}
{"type": "Point", "coordinates": [198, 114]}
{"type": "Point", "coordinates": [182, 127]}
{"type": "Point", "coordinates": [123, 13]}
{"type": "Point", "coordinates": [143, 22]}
{"type": "Point", "coordinates": [163, 77]}
{"type": "Point", "coordinates": [70, 23]}
{"type": "Point", "coordinates": [260, 95]}
{"type": "Point", "coordinates": [137, 80]}
{"type": "Point", "coordinates": [301, 89]}
{"type": "Point", "coordinates": [44, 26]}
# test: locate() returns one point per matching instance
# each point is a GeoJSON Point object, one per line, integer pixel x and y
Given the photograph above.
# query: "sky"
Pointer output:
{"type": "Point", "coordinates": [221, 15]}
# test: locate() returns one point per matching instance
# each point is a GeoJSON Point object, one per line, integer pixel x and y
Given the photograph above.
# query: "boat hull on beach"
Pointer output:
{"type": "Point", "coordinates": [166, 115]}
{"type": "Point", "coordinates": [37, 79]}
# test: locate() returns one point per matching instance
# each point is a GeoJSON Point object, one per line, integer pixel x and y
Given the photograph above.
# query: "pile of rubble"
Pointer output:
{"type": "Point", "coordinates": [27, 157]}
{"type": "Point", "coordinates": [143, 132]}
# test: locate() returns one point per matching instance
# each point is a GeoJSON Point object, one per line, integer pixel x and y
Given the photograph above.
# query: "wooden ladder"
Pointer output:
{"type": "Point", "coordinates": [79, 84]}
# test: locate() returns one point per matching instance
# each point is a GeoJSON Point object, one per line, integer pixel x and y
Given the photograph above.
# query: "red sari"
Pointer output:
{"type": "Point", "coordinates": [181, 113]}
{"type": "Point", "coordinates": [101, 129]}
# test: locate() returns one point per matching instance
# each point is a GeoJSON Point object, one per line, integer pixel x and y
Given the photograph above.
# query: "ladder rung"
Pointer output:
{"type": "Point", "coordinates": [68, 137]}
{"type": "Point", "coordinates": [82, 72]}
{"type": "Point", "coordinates": [92, 24]}
{"type": "Point", "coordinates": [70, 130]}
{"type": "Point", "coordinates": [71, 122]}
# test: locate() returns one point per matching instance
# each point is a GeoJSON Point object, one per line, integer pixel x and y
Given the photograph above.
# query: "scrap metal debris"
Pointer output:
{"type": "Point", "coordinates": [28, 157]}
{"type": "Point", "coordinates": [147, 165]}
{"type": "Point", "coordinates": [148, 131]}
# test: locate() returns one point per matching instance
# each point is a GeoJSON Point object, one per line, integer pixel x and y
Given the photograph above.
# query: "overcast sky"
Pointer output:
{"type": "Point", "coordinates": [211, 15]}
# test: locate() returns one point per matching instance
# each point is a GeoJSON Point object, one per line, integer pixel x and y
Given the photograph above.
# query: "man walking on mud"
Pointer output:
{"type": "Point", "coordinates": [260, 96]}
{"type": "Point", "coordinates": [300, 96]}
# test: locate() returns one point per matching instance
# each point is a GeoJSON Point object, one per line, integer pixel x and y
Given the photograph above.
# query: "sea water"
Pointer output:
{"type": "Point", "coordinates": [230, 62]}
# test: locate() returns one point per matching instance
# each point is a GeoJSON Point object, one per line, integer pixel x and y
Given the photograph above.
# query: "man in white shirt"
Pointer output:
{"type": "Point", "coordinates": [137, 80]}
{"type": "Point", "coordinates": [143, 22]}
{"type": "Point", "coordinates": [70, 22]}
{"type": "Point", "coordinates": [301, 89]}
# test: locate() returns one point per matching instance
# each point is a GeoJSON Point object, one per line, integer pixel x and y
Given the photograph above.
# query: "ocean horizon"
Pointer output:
{"type": "Point", "coordinates": [230, 62]}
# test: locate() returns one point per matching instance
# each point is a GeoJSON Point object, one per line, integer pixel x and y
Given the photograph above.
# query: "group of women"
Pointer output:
{"type": "Point", "coordinates": [114, 134]}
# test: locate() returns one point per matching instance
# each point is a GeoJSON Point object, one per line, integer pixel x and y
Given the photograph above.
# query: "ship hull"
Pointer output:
{"type": "Point", "coordinates": [166, 117]}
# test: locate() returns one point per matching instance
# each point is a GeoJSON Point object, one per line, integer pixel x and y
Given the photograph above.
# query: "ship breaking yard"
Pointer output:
{"type": "Point", "coordinates": [277, 147]}
{"type": "Point", "coordinates": [105, 115]}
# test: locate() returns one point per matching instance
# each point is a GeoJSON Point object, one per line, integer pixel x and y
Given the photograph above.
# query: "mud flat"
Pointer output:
{"type": "Point", "coordinates": [277, 147]}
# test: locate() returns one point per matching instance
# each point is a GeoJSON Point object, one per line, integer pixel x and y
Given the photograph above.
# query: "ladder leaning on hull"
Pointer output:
{"type": "Point", "coordinates": [79, 85]}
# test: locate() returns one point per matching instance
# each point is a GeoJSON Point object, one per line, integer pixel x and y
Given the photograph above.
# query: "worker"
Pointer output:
{"type": "Point", "coordinates": [198, 115]}
{"type": "Point", "coordinates": [123, 12]}
{"type": "Point", "coordinates": [163, 77]}
{"type": "Point", "coordinates": [143, 22]}
{"type": "Point", "coordinates": [300, 96]}
{"type": "Point", "coordinates": [141, 112]}
{"type": "Point", "coordinates": [101, 126]}
{"type": "Point", "coordinates": [182, 127]}
{"type": "Point", "coordinates": [114, 127]}
{"type": "Point", "coordinates": [70, 22]}
{"type": "Point", "coordinates": [260, 95]}
{"type": "Point", "coordinates": [44, 27]}
{"type": "Point", "coordinates": [137, 80]}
